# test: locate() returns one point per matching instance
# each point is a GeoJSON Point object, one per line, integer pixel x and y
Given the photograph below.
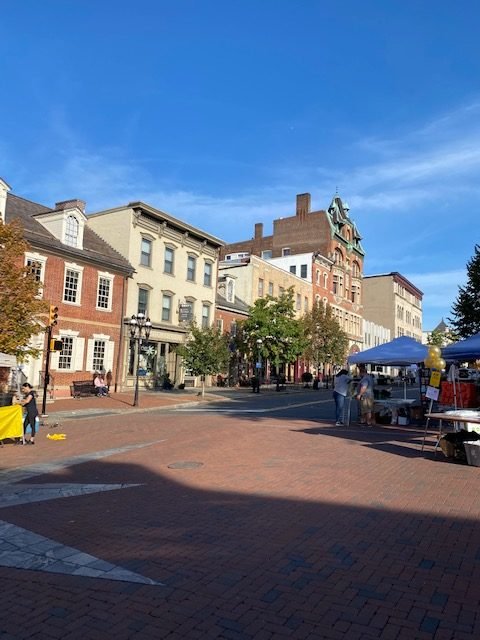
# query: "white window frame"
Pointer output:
{"type": "Point", "coordinates": [193, 257]}
{"type": "Point", "coordinates": [72, 230]}
{"type": "Point", "coordinates": [150, 240]}
{"type": "Point", "coordinates": [109, 352]}
{"type": "Point", "coordinates": [71, 266]}
{"type": "Point", "coordinates": [78, 347]}
{"type": "Point", "coordinates": [206, 306]}
{"type": "Point", "coordinates": [207, 277]}
{"type": "Point", "coordinates": [110, 278]}
{"type": "Point", "coordinates": [169, 247]}
{"type": "Point", "coordinates": [148, 289]}
{"type": "Point", "coordinates": [167, 295]}
{"type": "Point", "coordinates": [41, 261]}
{"type": "Point", "coordinates": [230, 290]}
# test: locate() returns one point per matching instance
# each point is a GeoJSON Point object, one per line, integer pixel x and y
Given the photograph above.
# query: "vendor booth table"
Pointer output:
{"type": "Point", "coordinates": [457, 417]}
{"type": "Point", "coordinates": [394, 405]}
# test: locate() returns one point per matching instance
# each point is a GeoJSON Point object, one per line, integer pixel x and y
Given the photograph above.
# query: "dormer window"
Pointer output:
{"type": "Point", "coordinates": [71, 231]}
{"type": "Point", "coordinates": [230, 291]}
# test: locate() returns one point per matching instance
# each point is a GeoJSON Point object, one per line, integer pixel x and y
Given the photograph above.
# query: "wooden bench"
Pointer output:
{"type": "Point", "coordinates": [82, 388]}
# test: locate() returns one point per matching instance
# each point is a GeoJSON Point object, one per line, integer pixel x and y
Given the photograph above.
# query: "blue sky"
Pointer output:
{"type": "Point", "coordinates": [220, 112]}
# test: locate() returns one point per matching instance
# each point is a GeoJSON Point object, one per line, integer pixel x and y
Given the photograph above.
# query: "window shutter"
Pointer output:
{"type": "Point", "coordinates": [54, 358]}
{"type": "Point", "coordinates": [79, 348]}
{"type": "Point", "coordinates": [89, 363]}
{"type": "Point", "coordinates": [109, 352]}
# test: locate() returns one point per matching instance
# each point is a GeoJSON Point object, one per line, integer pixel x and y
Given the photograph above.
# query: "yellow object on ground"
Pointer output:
{"type": "Point", "coordinates": [57, 436]}
{"type": "Point", "coordinates": [11, 422]}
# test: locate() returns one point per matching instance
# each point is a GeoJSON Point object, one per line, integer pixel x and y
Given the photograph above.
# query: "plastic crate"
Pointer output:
{"type": "Point", "coordinates": [472, 449]}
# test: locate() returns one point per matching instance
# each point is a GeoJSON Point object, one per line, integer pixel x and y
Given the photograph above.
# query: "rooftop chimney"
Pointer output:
{"type": "Point", "coordinates": [258, 230]}
{"type": "Point", "coordinates": [303, 204]}
{"type": "Point", "coordinates": [70, 204]}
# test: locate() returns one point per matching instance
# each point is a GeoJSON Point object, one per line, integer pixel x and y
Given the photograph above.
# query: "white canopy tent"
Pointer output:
{"type": "Point", "coordinates": [6, 360]}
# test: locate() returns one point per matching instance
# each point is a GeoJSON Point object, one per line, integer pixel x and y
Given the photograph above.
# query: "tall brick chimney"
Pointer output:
{"type": "Point", "coordinates": [258, 230]}
{"type": "Point", "coordinates": [303, 204]}
{"type": "Point", "coordinates": [70, 204]}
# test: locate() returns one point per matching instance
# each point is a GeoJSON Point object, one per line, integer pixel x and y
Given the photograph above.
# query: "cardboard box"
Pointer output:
{"type": "Point", "coordinates": [472, 449]}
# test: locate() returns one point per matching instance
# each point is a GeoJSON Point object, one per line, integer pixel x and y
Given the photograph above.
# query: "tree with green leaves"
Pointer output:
{"type": "Point", "coordinates": [205, 352]}
{"type": "Point", "coordinates": [442, 338]}
{"type": "Point", "coordinates": [272, 331]}
{"type": "Point", "coordinates": [466, 308]}
{"type": "Point", "coordinates": [326, 342]}
{"type": "Point", "coordinates": [20, 306]}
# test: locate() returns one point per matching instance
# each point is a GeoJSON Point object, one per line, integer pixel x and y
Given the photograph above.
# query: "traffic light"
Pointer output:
{"type": "Point", "coordinates": [56, 345]}
{"type": "Point", "coordinates": [53, 315]}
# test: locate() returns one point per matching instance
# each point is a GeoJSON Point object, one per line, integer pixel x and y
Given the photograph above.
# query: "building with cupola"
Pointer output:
{"type": "Point", "coordinates": [330, 234]}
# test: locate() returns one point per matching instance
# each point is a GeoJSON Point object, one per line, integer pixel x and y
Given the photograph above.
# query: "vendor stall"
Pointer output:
{"type": "Point", "coordinates": [464, 350]}
{"type": "Point", "coordinates": [401, 352]}
{"type": "Point", "coordinates": [397, 410]}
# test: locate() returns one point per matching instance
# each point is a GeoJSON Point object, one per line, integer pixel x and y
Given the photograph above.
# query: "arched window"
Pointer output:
{"type": "Point", "coordinates": [355, 269]}
{"type": "Point", "coordinates": [71, 231]}
{"type": "Point", "coordinates": [338, 257]}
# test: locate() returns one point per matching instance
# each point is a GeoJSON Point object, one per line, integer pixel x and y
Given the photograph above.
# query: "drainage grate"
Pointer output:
{"type": "Point", "coordinates": [185, 465]}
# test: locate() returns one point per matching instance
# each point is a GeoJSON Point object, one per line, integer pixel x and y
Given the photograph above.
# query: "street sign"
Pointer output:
{"type": "Point", "coordinates": [185, 312]}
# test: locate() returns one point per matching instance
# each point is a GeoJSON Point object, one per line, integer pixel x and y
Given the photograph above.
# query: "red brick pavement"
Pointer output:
{"type": "Point", "coordinates": [288, 530]}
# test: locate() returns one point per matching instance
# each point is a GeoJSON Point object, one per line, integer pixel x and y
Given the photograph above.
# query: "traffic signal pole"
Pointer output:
{"type": "Point", "coordinates": [52, 321]}
{"type": "Point", "coordinates": [46, 380]}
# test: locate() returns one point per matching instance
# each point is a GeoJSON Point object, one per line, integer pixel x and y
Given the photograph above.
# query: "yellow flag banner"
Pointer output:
{"type": "Point", "coordinates": [11, 423]}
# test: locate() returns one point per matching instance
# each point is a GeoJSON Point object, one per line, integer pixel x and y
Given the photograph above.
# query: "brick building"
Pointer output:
{"type": "Point", "coordinates": [331, 234]}
{"type": "Point", "coordinates": [84, 277]}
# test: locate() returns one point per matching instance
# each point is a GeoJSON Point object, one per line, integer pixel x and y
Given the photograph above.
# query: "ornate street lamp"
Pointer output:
{"type": "Point", "coordinates": [140, 328]}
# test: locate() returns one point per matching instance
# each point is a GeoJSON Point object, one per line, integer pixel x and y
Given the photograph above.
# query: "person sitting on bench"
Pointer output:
{"type": "Point", "coordinates": [100, 386]}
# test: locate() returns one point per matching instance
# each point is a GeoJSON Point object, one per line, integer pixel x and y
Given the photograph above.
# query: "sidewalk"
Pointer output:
{"type": "Point", "coordinates": [120, 403]}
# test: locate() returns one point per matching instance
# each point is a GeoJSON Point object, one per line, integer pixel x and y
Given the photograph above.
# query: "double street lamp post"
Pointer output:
{"type": "Point", "coordinates": [140, 328]}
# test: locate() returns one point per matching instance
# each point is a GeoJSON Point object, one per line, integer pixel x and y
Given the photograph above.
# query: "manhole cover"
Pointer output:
{"type": "Point", "coordinates": [185, 465]}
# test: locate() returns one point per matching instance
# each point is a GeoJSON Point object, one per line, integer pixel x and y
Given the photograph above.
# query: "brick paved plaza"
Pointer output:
{"type": "Point", "coordinates": [287, 528]}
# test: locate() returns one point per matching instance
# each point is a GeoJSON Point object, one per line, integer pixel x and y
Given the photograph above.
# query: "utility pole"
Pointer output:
{"type": "Point", "coordinates": [52, 321]}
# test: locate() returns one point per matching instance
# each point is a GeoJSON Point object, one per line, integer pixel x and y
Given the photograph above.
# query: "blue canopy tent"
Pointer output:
{"type": "Point", "coordinates": [400, 352]}
{"type": "Point", "coordinates": [468, 349]}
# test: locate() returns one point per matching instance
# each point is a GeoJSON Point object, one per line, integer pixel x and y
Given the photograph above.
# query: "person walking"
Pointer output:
{"type": "Point", "coordinates": [366, 398]}
{"type": "Point", "coordinates": [340, 389]}
{"type": "Point", "coordinates": [31, 412]}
